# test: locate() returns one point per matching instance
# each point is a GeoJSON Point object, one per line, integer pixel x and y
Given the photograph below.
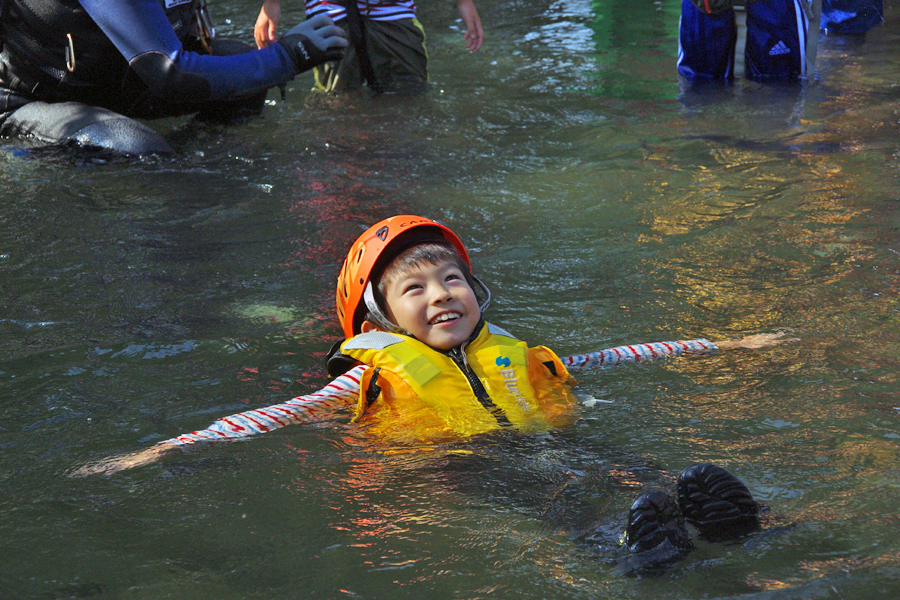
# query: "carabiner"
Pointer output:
{"type": "Point", "coordinates": [70, 54]}
{"type": "Point", "coordinates": [207, 30]}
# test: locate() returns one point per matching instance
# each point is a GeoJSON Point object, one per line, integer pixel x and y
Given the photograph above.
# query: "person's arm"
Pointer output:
{"type": "Point", "coordinates": [266, 27]}
{"type": "Point", "coordinates": [341, 393]}
{"type": "Point", "coordinates": [474, 32]}
{"type": "Point", "coordinates": [657, 350]}
{"type": "Point", "coordinates": [141, 32]}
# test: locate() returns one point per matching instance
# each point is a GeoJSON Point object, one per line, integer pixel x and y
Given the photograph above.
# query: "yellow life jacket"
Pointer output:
{"type": "Point", "coordinates": [414, 393]}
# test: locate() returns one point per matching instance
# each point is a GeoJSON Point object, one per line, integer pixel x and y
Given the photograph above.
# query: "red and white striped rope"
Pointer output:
{"type": "Point", "coordinates": [343, 392]}
{"type": "Point", "coordinates": [637, 353]}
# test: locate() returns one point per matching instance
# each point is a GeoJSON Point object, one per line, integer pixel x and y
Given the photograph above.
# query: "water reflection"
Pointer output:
{"type": "Point", "coordinates": [391, 503]}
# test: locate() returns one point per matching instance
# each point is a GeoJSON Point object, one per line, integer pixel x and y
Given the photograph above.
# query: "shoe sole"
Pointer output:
{"type": "Point", "coordinates": [716, 502]}
{"type": "Point", "coordinates": [654, 519]}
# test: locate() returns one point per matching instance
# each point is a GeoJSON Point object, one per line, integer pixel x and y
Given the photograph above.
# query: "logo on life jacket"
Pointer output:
{"type": "Point", "coordinates": [512, 382]}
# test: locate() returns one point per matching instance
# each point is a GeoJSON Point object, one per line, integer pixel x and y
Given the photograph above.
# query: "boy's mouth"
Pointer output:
{"type": "Point", "coordinates": [444, 317]}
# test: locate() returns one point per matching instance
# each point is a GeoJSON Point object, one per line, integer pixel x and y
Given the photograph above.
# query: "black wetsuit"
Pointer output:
{"type": "Point", "coordinates": [80, 71]}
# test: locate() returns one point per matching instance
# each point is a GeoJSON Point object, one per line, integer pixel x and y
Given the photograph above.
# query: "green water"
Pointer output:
{"type": "Point", "coordinates": [604, 204]}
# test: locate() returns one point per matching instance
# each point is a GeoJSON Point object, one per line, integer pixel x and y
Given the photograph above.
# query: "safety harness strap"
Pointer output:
{"type": "Point", "coordinates": [358, 37]}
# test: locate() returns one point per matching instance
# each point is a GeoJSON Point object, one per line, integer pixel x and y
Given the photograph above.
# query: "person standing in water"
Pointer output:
{"type": "Point", "coordinates": [80, 72]}
{"type": "Point", "coordinates": [388, 42]}
{"type": "Point", "coordinates": [776, 46]}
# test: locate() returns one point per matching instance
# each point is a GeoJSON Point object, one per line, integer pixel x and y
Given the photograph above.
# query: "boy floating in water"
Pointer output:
{"type": "Point", "coordinates": [420, 365]}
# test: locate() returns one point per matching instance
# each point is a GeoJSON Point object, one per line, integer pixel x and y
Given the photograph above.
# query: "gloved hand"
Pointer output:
{"type": "Point", "coordinates": [314, 42]}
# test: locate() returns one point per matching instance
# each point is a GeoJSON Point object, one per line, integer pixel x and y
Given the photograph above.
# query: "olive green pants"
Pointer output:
{"type": "Point", "coordinates": [398, 56]}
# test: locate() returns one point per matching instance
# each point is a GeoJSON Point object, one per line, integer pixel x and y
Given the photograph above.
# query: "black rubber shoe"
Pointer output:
{"type": "Point", "coordinates": [716, 502]}
{"type": "Point", "coordinates": [654, 521]}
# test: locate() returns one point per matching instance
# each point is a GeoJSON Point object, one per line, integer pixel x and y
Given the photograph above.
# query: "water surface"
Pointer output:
{"type": "Point", "coordinates": [602, 200]}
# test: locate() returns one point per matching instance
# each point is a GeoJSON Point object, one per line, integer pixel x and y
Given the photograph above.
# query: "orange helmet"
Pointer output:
{"type": "Point", "coordinates": [374, 249]}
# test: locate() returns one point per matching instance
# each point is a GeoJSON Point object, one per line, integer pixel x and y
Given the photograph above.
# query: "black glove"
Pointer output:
{"type": "Point", "coordinates": [314, 42]}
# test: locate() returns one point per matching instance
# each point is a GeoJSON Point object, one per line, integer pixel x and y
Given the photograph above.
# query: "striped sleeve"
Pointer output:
{"type": "Point", "coordinates": [341, 393]}
{"type": "Point", "coordinates": [637, 353]}
{"type": "Point", "coordinates": [376, 10]}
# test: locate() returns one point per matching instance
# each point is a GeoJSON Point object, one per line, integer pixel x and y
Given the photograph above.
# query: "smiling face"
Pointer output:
{"type": "Point", "coordinates": [434, 303]}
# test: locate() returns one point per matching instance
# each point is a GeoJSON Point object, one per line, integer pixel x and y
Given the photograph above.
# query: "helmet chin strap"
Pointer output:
{"type": "Point", "coordinates": [487, 293]}
{"type": "Point", "coordinates": [382, 322]}
{"type": "Point", "coordinates": [377, 317]}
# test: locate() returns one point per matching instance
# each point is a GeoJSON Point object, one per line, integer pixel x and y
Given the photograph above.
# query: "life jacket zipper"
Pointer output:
{"type": "Point", "coordinates": [458, 356]}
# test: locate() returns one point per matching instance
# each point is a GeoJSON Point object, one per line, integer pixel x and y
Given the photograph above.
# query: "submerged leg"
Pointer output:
{"type": "Point", "coordinates": [60, 123]}
{"type": "Point", "coordinates": [706, 44]}
{"type": "Point", "coordinates": [776, 40]}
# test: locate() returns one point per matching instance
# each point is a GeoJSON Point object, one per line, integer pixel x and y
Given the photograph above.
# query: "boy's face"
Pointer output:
{"type": "Point", "coordinates": [434, 303]}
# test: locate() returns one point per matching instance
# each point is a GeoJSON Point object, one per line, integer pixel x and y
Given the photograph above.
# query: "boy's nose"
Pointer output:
{"type": "Point", "coordinates": [441, 294]}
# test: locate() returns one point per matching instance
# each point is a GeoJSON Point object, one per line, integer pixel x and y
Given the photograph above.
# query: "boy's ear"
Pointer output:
{"type": "Point", "coordinates": [368, 326]}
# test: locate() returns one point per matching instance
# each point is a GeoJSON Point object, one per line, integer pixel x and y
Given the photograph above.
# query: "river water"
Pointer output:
{"type": "Point", "coordinates": [603, 202]}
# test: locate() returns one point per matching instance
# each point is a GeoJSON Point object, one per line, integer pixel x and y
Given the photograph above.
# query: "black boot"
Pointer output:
{"type": "Point", "coordinates": [716, 502]}
{"type": "Point", "coordinates": [654, 521]}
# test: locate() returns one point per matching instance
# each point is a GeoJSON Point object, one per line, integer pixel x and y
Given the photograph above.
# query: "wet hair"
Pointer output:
{"type": "Point", "coordinates": [414, 257]}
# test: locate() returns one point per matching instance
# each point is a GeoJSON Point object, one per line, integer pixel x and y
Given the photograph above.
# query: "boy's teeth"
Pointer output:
{"type": "Point", "coordinates": [445, 317]}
